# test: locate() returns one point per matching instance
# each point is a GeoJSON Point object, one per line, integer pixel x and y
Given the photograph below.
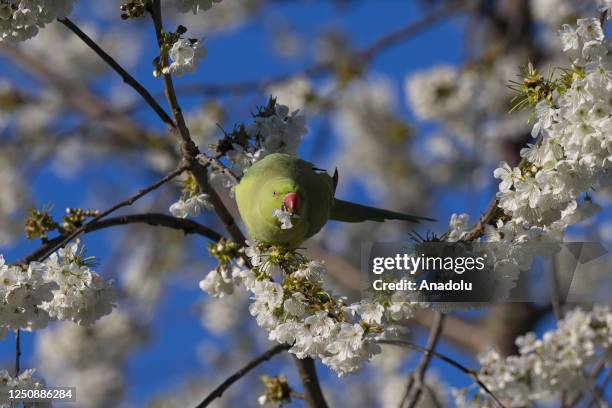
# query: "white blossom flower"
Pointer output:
{"type": "Point", "coordinates": [185, 54]}
{"type": "Point", "coordinates": [218, 283]}
{"type": "Point", "coordinates": [459, 224]}
{"type": "Point", "coordinates": [370, 311]}
{"type": "Point", "coordinates": [284, 217]}
{"type": "Point", "coordinates": [589, 29]}
{"type": "Point", "coordinates": [507, 175]}
{"type": "Point", "coordinates": [569, 38]}
{"type": "Point", "coordinates": [313, 271]}
{"type": "Point", "coordinates": [546, 115]}
{"type": "Point", "coordinates": [192, 206]}
{"type": "Point", "coordinates": [296, 304]}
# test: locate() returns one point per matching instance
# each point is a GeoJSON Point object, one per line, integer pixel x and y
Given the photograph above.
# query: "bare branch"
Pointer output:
{"type": "Point", "coordinates": [189, 150]}
{"type": "Point", "coordinates": [129, 201]}
{"type": "Point", "coordinates": [415, 383]}
{"type": "Point", "coordinates": [472, 373]}
{"type": "Point", "coordinates": [154, 219]}
{"type": "Point", "coordinates": [393, 38]}
{"type": "Point", "coordinates": [478, 229]}
{"type": "Point", "coordinates": [127, 78]}
{"type": "Point", "coordinates": [218, 392]}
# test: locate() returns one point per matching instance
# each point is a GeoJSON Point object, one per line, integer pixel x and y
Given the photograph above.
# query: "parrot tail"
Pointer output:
{"type": "Point", "coordinates": [350, 212]}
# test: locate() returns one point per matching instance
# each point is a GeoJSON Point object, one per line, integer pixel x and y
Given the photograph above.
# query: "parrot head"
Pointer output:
{"type": "Point", "coordinates": [284, 194]}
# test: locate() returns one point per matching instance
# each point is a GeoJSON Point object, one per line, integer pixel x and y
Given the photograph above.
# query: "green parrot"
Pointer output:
{"type": "Point", "coordinates": [284, 182]}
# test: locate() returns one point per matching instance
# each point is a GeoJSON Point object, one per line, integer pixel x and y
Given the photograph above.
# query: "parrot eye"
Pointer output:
{"type": "Point", "coordinates": [275, 193]}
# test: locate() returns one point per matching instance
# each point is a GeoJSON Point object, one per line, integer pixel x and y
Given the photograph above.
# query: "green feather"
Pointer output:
{"type": "Point", "coordinates": [346, 211]}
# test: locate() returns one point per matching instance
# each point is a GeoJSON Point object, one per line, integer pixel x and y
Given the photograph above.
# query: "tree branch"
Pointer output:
{"type": "Point", "coordinates": [462, 332]}
{"type": "Point", "coordinates": [153, 219]}
{"type": "Point", "coordinates": [127, 202]}
{"type": "Point", "coordinates": [415, 383]}
{"type": "Point", "coordinates": [218, 392]}
{"type": "Point", "coordinates": [472, 373]}
{"type": "Point", "coordinates": [484, 219]}
{"type": "Point", "coordinates": [395, 37]}
{"type": "Point", "coordinates": [313, 395]}
{"type": "Point", "coordinates": [127, 78]}
{"type": "Point", "coordinates": [189, 150]}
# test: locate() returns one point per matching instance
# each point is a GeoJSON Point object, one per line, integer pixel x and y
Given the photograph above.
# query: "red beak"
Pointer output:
{"type": "Point", "coordinates": [291, 202]}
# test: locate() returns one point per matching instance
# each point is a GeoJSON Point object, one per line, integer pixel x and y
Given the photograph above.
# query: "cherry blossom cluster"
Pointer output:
{"type": "Point", "coordinates": [289, 301]}
{"type": "Point", "coordinates": [62, 288]}
{"type": "Point", "coordinates": [546, 192]}
{"type": "Point", "coordinates": [573, 154]}
{"type": "Point", "coordinates": [21, 19]}
{"type": "Point", "coordinates": [556, 363]}
{"type": "Point", "coordinates": [275, 130]}
{"type": "Point", "coordinates": [575, 150]}
{"type": "Point", "coordinates": [24, 381]}
{"type": "Point", "coordinates": [83, 296]}
{"type": "Point", "coordinates": [220, 281]}
{"type": "Point", "coordinates": [23, 291]}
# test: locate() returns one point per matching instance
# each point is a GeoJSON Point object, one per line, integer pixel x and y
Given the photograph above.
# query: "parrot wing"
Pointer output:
{"type": "Point", "coordinates": [346, 211]}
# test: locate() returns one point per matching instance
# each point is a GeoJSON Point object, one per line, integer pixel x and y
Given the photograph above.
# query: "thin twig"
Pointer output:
{"type": "Point", "coordinates": [17, 352]}
{"type": "Point", "coordinates": [597, 369]}
{"type": "Point", "coordinates": [472, 373]}
{"type": "Point", "coordinates": [127, 78]}
{"type": "Point", "coordinates": [415, 383]}
{"type": "Point", "coordinates": [484, 219]}
{"type": "Point", "coordinates": [599, 392]}
{"type": "Point", "coordinates": [154, 219]}
{"type": "Point", "coordinates": [433, 398]}
{"type": "Point", "coordinates": [127, 202]}
{"type": "Point", "coordinates": [395, 37]}
{"type": "Point", "coordinates": [218, 392]}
